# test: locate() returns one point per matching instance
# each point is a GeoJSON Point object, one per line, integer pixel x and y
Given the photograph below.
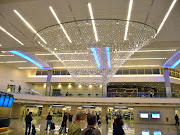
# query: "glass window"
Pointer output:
{"type": "Point", "coordinates": [57, 72]}
{"type": "Point", "coordinates": [38, 72]}
{"type": "Point", "coordinates": [119, 72]}
{"type": "Point", "coordinates": [148, 71]}
{"type": "Point", "coordinates": [125, 71]}
{"type": "Point", "coordinates": [63, 72]}
{"type": "Point", "coordinates": [140, 71]}
{"type": "Point", "coordinates": [156, 71]}
{"type": "Point", "coordinates": [133, 71]}
{"type": "Point", "coordinates": [44, 72]}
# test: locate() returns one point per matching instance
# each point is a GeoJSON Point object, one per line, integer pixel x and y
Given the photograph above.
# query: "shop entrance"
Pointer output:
{"type": "Point", "coordinates": [86, 109]}
{"type": "Point", "coordinates": [35, 109]}
{"type": "Point", "coordinates": [126, 113]}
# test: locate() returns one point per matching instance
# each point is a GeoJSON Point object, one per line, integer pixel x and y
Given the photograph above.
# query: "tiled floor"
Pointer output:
{"type": "Point", "coordinates": [17, 127]}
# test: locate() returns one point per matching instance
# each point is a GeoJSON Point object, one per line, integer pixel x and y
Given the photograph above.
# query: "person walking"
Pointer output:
{"type": "Point", "coordinates": [48, 118]}
{"type": "Point", "coordinates": [177, 120]}
{"type": "Point", "coordinates": [75, 128]}
{"type": "Point", "coordinates": [118, 130]}
{"type": "Point", "coordinates": [28, 120]}
{"type": "Point", "coordinates": [90, 130]}
{"type": "Point", "coordinates": [64, 123]}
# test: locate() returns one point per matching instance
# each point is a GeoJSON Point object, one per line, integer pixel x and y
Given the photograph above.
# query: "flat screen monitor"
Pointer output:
{"type": "Point", "coordinates": [144, 115]}
{"type": "Point", "coordinates": [10, 102]}
{"type": "Point", "coordinates": [2, 100]}
{"type": "Point", "coordinates": [145, 133]}
{"type": "Point", "coordinates": [6, 101]}
{"type": "Point", "coordinates": [156, 133]}
{"type": "Point", "coordinates": [155, 115]}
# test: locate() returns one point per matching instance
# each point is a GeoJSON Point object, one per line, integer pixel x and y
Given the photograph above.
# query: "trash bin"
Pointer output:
{"type": "Point", "coordinates": [70, 117]}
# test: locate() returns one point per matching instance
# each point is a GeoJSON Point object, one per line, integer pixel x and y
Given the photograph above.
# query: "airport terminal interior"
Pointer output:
{"type": "Point", "coordinates": [110, 58]}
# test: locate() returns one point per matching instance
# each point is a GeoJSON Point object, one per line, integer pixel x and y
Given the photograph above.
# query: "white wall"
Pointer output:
{"type": "Point", "coordinates": [13, 76]}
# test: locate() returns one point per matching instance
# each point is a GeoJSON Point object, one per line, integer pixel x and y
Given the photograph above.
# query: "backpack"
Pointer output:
{"type": "Point", "coordinates": [89, 132]}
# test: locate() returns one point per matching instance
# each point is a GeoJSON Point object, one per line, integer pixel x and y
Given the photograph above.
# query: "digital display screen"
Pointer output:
{"type": "Point", "coordinates": [10, 101]}
{"type": "Point", "coordinates": [156, 133]}
{"type": "Point", "coordinates": [2, 100]}
{"type": "Point", "coordinates": [145, 132]}
{"type": "Point", "coordinates": [143, 115]}
{"type": "Point", "coordinates": [155, 115]}
{"type": "Point", "coordinates": [6, 101]}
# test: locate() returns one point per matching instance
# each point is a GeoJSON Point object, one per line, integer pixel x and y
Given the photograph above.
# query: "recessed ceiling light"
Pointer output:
{"type": "Point", "coordinates": [93, 22]}
{"type": "Point", "coordinates": [128, 18]}
{"type": "Point", "coordinates": [0, 45]}
{"type": "Point", "coordinates": [11, 35]}
{"type": "Point", "coordinates": [57, 19]}
{"type": "Point", "coordinates": [20, 16]}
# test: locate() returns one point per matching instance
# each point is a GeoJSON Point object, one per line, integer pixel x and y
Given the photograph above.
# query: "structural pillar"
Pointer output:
{"type": "Point", "coordinates": [104, 90]}
{"type": "Point", "coordinates": [74, 109]}
{"type": "Point", "coordinates": [48, 83]}
{"type": "Point", "coordinates": [167, 82]}
{"type": "Point", "coordinates": [45, 111]}
{"type": "Point", "coordinates": [103, 114]}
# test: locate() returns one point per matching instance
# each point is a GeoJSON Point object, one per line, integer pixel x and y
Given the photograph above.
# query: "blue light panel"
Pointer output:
{"type": "Point", "coordinates": [156, 133]}
{"type": "Point", "coordinates": [155, 115]}
{"type": "Point", "coordinates": [95, 56]}
{"type": "Point", "coordinates": [175, 64]}
{"type": "Point", "coordinates": [2, 100]}
{"type": "Point", "coordinates": [108, 57]}
{"type": "Point", "coordinates": [10, 102]}
{"type": "Point", "coordinates": [6, 102]}
{"type": "Point", "coordinates": [145, 133]}
{"type": "Point", "coordinates": [27, 58]}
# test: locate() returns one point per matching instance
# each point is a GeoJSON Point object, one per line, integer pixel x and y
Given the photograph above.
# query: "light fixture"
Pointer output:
{"type": "Point", "coordinates": [27, 58]}
{"type": "Point", "coordinates": [90, 86]}
{"type": "Point", "coordinates": [6, 55]}
{"type": "Point", "coordinates": [173, 58]}
{"type": "Point", "coordinates": [142, 59]}
{"type": "Point", "coordinates": [165, 17]}
{"type": "Point", "coordinates": [108, 57]}
{"type": "Point", "coordinates": [27, 67]}
{"type": "Point", "coordinates": [44, 85]}
{"type": "Point", "coordinates": [93, 22]}
{"type": "Point", "coordinates": [140, 66]}
{"type": "Point", "coordinates": [69, 86]}
{"type": "Point", "coordinates": [0, 45]}
{"type": "Point", "coordinates": [128, 18]}
{"type": "Point", "coordinates": [16, 61]}
{"type": "Point", "coordinates": [11, 35]}
{"type": "Point", "coordinates": [59, 85]}
{"type": "Point", "coordinates": [96, 56]}
{"type": "Point", "coordinates": [20, 16]}
{"type": "Point", "coordinates": [79, 86]}
{"type": "Point", "coordinates": [62, 27]}
{"type": "Point", "coordinates": [169, 50]}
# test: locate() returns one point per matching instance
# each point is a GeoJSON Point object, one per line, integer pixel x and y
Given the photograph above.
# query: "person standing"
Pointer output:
{"type": "Point", "coordinates": [118, 130]}
{"type": "Point", "coordinates": [48, 118]}
{"type": "Point", "coordinates": [28, 120]}
{"type": "Point", "coordinates": [64, 123]}
{"type": "Point", "coordinates": [75, 128]}
{"type": "Point", "coordinates": [177, 120]}
{"type": "Point", "coordinates": [107, 118]}
{"type": "Point", "coordinates": [19, 89]}
{"type": "Point", "coordinates": [90, 130]}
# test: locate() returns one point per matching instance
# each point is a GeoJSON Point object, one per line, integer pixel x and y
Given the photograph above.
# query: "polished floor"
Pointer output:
{"type": "Point", "coordinates": [17, 127]}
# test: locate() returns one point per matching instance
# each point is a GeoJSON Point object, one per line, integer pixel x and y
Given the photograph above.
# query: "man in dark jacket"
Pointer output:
{"type": "Point", "coordinates": [64, 123]}
{"type": "Point", "coordinates": [28, 120]}
{"type": "Point", "coordinates": [49, 118]}
{"type": "Point", "coordinates": [177, 120]}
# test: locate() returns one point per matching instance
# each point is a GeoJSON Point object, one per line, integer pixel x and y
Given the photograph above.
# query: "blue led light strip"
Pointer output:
{"type": "Point", "coordinates": [108, 57]}
{"type": "Point", "coordinates": [175, 64]}
{"type": "Point", "coordinates": [95, 56]}
{"type": "Point", "coordinates": [27, 58]}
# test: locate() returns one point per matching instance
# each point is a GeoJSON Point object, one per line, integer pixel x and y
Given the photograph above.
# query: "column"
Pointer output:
{"type": "Point", "coordinates": [104, 90]}
{"type": "Point", "coordinates": [45, 111]}
{"type": "Point", "coordinates": [103, 114]}
{"type": "Point", "coordinates": [167, 82]}
{"type": "Point", "coordinates": [74, 109]}
{"type": "Point", "coordinates": [17, 110]}
{"type": "Point", "coordinates": [48, 83]}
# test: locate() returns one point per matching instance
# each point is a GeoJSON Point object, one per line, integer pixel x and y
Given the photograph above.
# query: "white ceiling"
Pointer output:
{"type": "Point", "coordinates": [37, 13]}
